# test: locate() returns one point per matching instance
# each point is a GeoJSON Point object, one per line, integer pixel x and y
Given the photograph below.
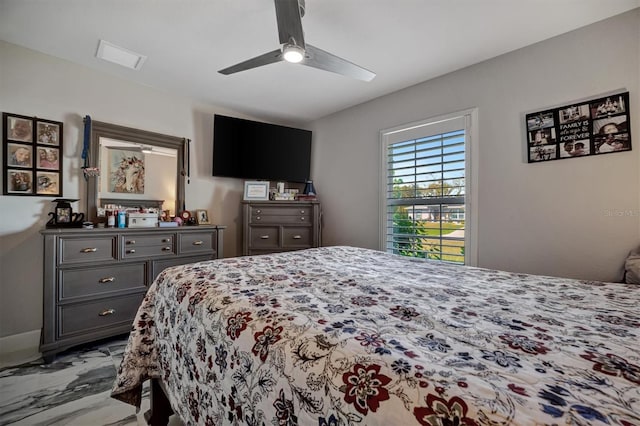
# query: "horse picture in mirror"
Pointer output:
{"type": "Point", "coordinates": [126, 171]}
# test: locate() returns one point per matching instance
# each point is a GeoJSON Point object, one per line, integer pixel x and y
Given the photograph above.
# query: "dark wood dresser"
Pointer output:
{"type": "Point", "coordinates": [95, 279]}
{"type": "Point", "coordinates": [274, 226]}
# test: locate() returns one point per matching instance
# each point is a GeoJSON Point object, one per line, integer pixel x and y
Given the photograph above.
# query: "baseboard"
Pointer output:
{"type": "Point", "coordinates": [19, 348]}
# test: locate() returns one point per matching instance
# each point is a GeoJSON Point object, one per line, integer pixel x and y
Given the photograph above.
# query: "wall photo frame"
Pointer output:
{"type": "Point", "coordinates": [591, 127]}
{"type": "Point", "coordinates": [256, 190]}
{"type": "Point", "coordinates": [32, 156]}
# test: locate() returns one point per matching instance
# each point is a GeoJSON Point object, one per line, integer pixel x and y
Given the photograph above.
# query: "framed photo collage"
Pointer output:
{"type": "Point", "coordinates": [593, 127]}
{"type": "Point", "coordinates": [32, 156]}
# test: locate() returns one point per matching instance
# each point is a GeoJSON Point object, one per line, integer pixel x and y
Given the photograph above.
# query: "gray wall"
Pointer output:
{"type": "Point", "coordinates": [546, 218]}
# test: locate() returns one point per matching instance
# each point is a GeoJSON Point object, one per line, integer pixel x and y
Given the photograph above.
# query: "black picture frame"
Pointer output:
{"type": "Point", "coordinates": [63, 215]}
{"type": "Point", "coordinates": [32, 156]}
{"type": "Point", "coordinates": [592, 127]}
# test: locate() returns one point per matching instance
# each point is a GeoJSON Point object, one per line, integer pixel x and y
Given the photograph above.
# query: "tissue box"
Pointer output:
{"type": "Point", "coordinates": [142, 220]}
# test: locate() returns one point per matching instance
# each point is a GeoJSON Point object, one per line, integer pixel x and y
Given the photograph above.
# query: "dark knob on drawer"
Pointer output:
{"type": "Point", "coordinates": [302, 211]}
{"type": "Point", "coordinates": [258, 218]}
{"type": "Point", "coordinates": [166, 248]}
{"type": "Point", "coordinates": [258, 211]}
{"type": "Point", "coordinates": [166, 240]}
{"type": "Point", "coordinates": [107, 312]}
{"type": "Point", "coordinates": [131, 251]}
{"type": "Point", "coordinates": [302, 218]}
{"type": "Point", "coordinates": [131, 241]}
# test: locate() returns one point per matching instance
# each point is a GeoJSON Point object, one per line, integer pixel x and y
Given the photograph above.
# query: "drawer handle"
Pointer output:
{"type": "Point", "coordinates": [131, 251]}
{"type": "Point", "coordinates": [107, 312]}
{"type": "Point", "coordinates": [264, 237]}
{"type": "Point", "coordinates": [166, 240]}
{"type": "Point", "coordinates": [131, 241]}
{"type": "Point", "coordinates": [302, 218]}
{"type": "Point", "coordinates": [166, 248]}
{"type": "Point", "coordinates": [89, 250]}
{"type": "Point", "coordinates": [258, 211]}
{"type": "Point", "coordinates": [197, 243]}
{"type": "Point", "coordinates": [258, 217]}
{"type": "Point", "coordinates": [297, 237]}
{"type": "Point", "coordinates": [106, 280]}
{"type": "Point", "coordinates": [301, 211]}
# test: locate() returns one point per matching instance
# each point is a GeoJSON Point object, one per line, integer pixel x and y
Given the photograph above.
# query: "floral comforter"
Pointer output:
{"type": "Point", "coordinates": [348, 336]}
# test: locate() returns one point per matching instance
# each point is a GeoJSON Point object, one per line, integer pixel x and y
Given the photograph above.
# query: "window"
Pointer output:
{"type": "Point", "coordinates": [424, 202]}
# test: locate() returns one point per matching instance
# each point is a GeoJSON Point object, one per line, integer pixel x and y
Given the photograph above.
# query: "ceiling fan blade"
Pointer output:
{"type": "Point", "coordinates": [289, 22]}
{"type": "Point", "coordinates": [258, 61]}
{"type": "Point", "coordinates": [318, 58]}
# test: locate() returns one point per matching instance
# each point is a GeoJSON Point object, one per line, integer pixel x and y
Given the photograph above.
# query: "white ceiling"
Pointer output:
{"type": "Point", "coordinates": [187, 41]}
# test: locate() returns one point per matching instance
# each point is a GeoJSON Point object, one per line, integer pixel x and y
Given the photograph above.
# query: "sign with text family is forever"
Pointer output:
{"type": "Point", "coordinates": [592, 127]}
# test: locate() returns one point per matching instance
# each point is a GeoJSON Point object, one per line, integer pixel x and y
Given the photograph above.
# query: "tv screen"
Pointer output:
{"type": "Point", "coordinates": [252, 150]}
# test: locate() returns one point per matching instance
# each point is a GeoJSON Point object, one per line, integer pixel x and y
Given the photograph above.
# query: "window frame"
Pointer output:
{"type": "Point", "coordinates": [424, 128]}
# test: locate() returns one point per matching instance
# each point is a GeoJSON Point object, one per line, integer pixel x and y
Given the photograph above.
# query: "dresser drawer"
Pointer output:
{"type": "Point", "coordinates": [304, 210]}
{"type": "Point", "coordinates": [105, 313]}
{"type": "Point", "coordinates": [100, 280]}
{"type": "Point", "coordinates": [269, 219]}
{"type": "Point", "coordinates": [196, 242]}
{"type": "Point", "coordinates": [133, 241]}
{"type": "Point", "coordinates": [148, 251]}
{"type": "Point", "coordinates": [142, 246]}
{"type": "Point", "coordinates": [299, 237]}
{"type": "Point", "coordinates": [87, 249]}
{"type": "Point", "coordinates": [262, 237]}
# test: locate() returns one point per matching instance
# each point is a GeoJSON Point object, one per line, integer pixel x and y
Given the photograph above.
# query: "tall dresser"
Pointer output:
{"type": "Point", "coordinates": [274, 226]}
{"type": "Point", "coordinates": [95, 279]}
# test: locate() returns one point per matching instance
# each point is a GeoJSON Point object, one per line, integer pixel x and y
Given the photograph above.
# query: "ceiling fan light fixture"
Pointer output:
{"type": "Point", "coordinates": [292, 53]}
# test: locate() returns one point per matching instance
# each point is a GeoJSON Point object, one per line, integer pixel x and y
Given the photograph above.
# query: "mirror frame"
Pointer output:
{"type": "Point", "coordinates": [128, 134]}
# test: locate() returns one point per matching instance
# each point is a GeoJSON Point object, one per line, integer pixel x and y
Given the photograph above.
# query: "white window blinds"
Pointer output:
{"type": "Point", "coordinates": [425, 188]}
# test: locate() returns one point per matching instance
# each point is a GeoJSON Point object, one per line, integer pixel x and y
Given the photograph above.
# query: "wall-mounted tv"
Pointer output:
{"type": "Point", "coordinates": [253, 150]}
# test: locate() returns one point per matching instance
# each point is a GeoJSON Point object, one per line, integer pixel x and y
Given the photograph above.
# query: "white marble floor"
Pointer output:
{"type": "Point", "coordinates": [72, 390]}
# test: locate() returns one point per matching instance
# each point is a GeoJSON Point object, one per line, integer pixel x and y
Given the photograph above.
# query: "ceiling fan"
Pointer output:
{"type": "Point", "coordinates": [289, 15]}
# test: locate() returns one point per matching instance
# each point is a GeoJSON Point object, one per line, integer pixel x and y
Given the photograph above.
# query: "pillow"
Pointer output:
{"type": "Point", "coordinates": [632, 267]}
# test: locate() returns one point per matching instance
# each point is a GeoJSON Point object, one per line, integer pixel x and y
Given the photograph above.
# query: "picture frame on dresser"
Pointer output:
{"type": "Point", "coordinates": [202, 217]}
{"type": "Point", "coordinates": [256, 190]}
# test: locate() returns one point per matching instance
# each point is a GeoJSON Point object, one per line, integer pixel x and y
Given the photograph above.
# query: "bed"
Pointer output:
{"type": "Point", "coordinates": [350, 336]}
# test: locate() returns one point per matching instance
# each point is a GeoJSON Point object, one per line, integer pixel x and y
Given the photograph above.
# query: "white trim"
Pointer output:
{"type": "Point", "coordinates": [471, 172]}
{"type": "Point", "coordinates": [19, 348]}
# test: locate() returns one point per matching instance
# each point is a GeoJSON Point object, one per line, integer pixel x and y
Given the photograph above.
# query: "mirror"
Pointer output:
{"type": "Point", "coordinates": [137, 169]}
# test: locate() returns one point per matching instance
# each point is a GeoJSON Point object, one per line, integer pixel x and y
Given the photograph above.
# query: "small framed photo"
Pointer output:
{"type": "Point", "coordinates": [63, 214]}
{"type": "Point", "coordinates": [48, 158]}
{"type": "Point", "coordinates": [19, 182]}
{"type": "Point", "coordinates": [48, 132]}
{"type": "Point", "coordinates": [19, 155]}
{"type": "Point", "coordinates": [18, 128]}
{"type": "Point", "coordinates": [256, 190]}
{"type": "Point", "coordinates": [48, 184]}
{"type": "Point", "coordinates": [202, 217]}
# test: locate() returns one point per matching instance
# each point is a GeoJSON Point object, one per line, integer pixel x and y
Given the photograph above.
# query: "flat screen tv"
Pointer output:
{"type": "Point", "coordinates": [252, 150]}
